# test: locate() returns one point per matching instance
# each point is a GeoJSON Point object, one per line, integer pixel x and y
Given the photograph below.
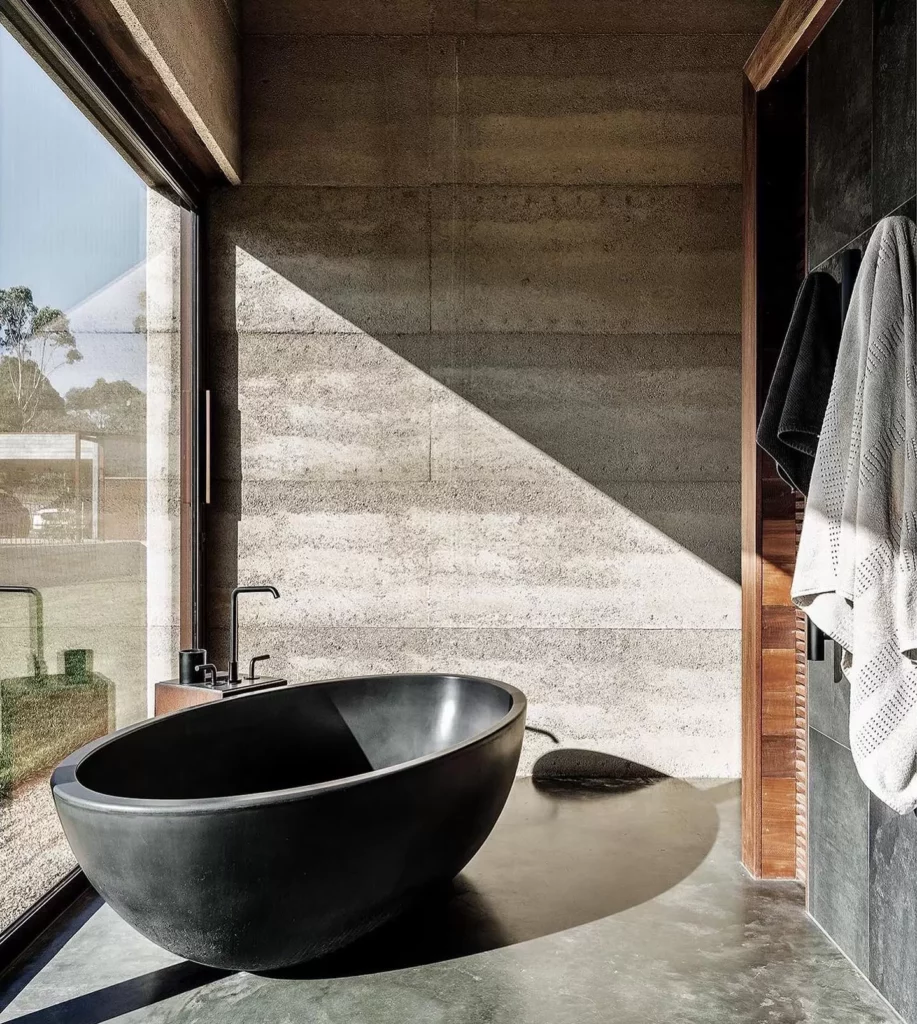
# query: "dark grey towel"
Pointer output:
{"type": "Point", "coordinates": [793, 412]}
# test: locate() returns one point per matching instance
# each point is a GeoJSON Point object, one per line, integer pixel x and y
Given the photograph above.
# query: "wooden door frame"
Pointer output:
{"type": "Point", "coordinates": [773, 808]}
{"type": "Point", "coordinates": [786, 40]}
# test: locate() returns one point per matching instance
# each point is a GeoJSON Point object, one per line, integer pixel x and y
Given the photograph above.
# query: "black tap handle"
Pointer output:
{"type": "Point", "coordinates": [208, 669]}
{"type": "Point", "coordinates": [251, 664]}
{"type": "Point", "coordinates": [850, 266]}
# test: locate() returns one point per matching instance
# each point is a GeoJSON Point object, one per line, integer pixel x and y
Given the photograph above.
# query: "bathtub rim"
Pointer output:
{"type": "Point", "coordinates": [66, 787]}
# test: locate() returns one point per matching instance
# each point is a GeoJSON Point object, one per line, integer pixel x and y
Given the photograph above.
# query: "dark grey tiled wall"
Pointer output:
{"type": "Point", "coordinates": [862, 121]}
{"type": "Point", "coordinates": [862, 855]}
{"type": "Point", "coordinates": [894, 107]}
{"type": "Point", "coordinates": [829, 696]}
{"type": "Point", "coordinates": [862, 107]}
{"type": "Point", "coordinates": [839, 846]}
{"type": "Point", "coordinates": [840, 130]}
{"type": "Point", "coordinates": [893, 906]}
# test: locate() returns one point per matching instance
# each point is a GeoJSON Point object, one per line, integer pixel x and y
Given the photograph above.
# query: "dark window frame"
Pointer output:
{"type": "Point", "coordinates": [68, 49]}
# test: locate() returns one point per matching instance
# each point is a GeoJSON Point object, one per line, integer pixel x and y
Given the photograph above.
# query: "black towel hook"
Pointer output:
{"type": "Point", "coordinates": [850, 266]}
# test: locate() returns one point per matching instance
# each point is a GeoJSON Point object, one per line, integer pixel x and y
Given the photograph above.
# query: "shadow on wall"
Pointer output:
{"type": "Point", "coordinates": [650, 420]}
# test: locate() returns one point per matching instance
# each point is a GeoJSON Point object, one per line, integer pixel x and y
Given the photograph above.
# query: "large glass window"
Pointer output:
{"type": "Point", "coordinates": [90, 368]}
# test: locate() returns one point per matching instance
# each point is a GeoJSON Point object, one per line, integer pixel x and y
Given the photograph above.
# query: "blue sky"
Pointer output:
{"type": "Point", "coordinates": [72, 212]}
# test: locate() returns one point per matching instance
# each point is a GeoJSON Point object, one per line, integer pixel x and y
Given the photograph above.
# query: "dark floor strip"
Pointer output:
{"type": "Point", "coordinates": [46, 946]}
{"type": "Point", "coordinates": [115, 1000]}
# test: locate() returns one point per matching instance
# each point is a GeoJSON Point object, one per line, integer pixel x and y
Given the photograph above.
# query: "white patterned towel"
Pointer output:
{"type": "Point", "coordinates": [856, 570]}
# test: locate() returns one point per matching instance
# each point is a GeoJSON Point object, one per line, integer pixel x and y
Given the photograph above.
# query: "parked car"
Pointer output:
{"type": "Point", "coordinates": [15, 521]}
{"type": "Point", "coordinates": [55, 521]}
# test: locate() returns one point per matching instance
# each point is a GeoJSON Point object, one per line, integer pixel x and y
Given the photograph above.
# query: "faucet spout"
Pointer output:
{"type": "Point", "coordinates": [233, 674]}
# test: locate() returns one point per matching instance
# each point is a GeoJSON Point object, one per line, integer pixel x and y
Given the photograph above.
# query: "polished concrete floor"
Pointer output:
{"type": "Point", "coordinates": [604, 902]}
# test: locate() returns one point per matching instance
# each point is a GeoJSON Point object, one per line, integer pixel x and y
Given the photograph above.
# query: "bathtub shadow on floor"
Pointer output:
{"type": "Point", "coordinates": [567, 850]}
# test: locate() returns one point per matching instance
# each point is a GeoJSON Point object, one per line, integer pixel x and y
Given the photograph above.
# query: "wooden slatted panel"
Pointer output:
{"type": "Point", "coordinates": [774, 240]}
{"type": "Point", "coordinates": [778, 678]}
{"type": "Point", "coordinates": [801, 725]}
{"type": "Point", "coordinates": [768, 623]}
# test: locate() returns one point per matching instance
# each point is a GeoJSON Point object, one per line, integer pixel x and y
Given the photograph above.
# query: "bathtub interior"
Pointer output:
{"type": "Point", "coordinates": [294, 736]}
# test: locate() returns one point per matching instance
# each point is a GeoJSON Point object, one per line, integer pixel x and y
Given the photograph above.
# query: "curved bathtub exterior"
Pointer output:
{"type": "Point", "coordinates": [160, 818]}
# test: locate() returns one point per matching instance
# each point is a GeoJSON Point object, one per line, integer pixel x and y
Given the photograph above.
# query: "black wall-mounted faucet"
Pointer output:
{"type": "Point", "coordinates": [233, 675]}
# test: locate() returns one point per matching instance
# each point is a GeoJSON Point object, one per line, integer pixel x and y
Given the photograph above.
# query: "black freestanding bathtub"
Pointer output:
{"type": "Point", "coordinates": [263, 830]}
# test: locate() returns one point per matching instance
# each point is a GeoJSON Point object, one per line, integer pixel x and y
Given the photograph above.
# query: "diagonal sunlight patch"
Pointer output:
{"type": "Point", "coordinates": [327, 403]}
{"type": "Point", "coordinates": [409, 530]}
